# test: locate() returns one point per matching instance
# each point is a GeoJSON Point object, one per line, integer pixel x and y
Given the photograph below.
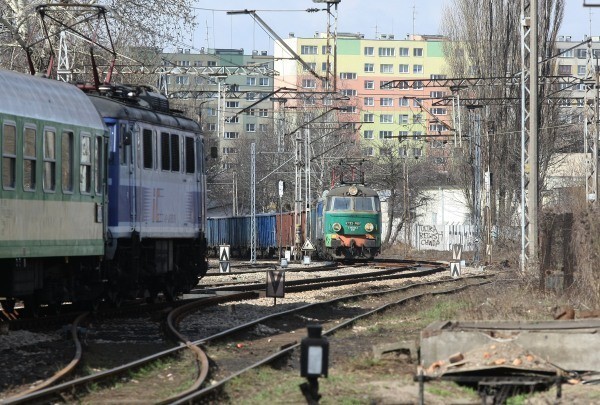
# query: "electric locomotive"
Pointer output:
{"type": "Point", "coordinates": [102, 196]}
{"type": "Point", "coordinates": [349, 223]}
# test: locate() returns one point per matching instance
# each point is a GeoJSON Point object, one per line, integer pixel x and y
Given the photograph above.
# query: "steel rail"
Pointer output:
{"type": "Point", "coordinates": [52, 391]}
{"type": "Point", "coordinates": [194, 397]}
{"type": "Point", "coordinates": [62, 372]}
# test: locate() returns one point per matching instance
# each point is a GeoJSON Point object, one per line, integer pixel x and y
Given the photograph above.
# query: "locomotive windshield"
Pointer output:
{"type": "Point", "coordinates": [352, 204]}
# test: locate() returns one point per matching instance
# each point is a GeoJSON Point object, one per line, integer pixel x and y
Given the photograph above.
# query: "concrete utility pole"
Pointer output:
{"type": "Point", "coordinates": [529, 136]}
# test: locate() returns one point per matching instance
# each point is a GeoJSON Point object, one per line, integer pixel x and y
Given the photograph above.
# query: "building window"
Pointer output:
{"type": "Point", "coordinates": [418, 52]}
{"type": "Point", "coordinates": [232, 120]}
{"type": "Point", "coordinates": [368, 151]}
{"type": "Point", "coordinates": [369, 117]}
{"type": "Point", "coordinates": [402, 152]}
{"type": "Point", "coordinates": [564, 53]}
{"type": "Point", "coordinates": [250, 95]}
{"type": "Point", "coordinates": [581, 70]}
{"type": "Point", "coordinates": [308, 50]}
{"type": "Point", "coordinates": [309, 83]}
{"type": "Point", "coordinates": [368, 134]}
{"type": "Point", "coordinates": [417, 102]}
{"type": "Point", "coordinates": [250, 81]}
{"type": "Point", "coordinates": [211, 127]}
{"type": "Point", "coordinates": [29, 159]}
{"type": "Point", "coordinates": [369, 51]}
{"type": "Point", "coordinates": [263, 127]}
{"type": "Point", "coordinates": [403, 68]}
{"type": "Point", "coordinates": [250, 127]}
{"type": "Point", "coordinates": [417, 135]}
{"type": "Point", "coordinates": [403, 102]}
{"type": "Point", "coordinates": [386, 68]}
{"type": "Point", "coordinates": [264, 81]}
{"type": "Point", "coordinates": [417, 152]}
{"type": "Point", "coordinates": [385, 134]}
{"type": "Point", "coordinates": [230, 151]}
{"type": "Point", "coordinates": [387, 51]}
{"type": "Point", "coordinates": [263, 112]}
{"type": "Point", "coordinates": [232, 104]}
{"type": "Point", "coordinates": [182, 80]}
{"type": "Point", "coordinates": [437, 94]}
{"type": "Point", "coordinates": [437, 144]}
{"type": "Point", "coordinates": [369, 84]}
{"type": "Point", "coordinates": [417, 69]}
{"type": "Point", "coordinates": [386, 118]}
{"type": "Point", "coordinates": [418, 85]}
{"type": "Point", "coordinates": [437, 77]}
{"type": "Point", "coordinates": [369, 101]}
{"type": "Point", "coordinates": [386, 102]}
{"type": "Point", "coordinates": [369, 67]}
{"type": "Point", "coordinates": [417, 118]}
{"type": "Point", "coordinates": [347, 76]}
{"type": "Point", "coordinates": [231, 135]}
{"type": "Point", "coordinates": [349, 92]}
{"type": "Point", "coordinates": [438, 111]}
{"type": "Point", "coordinates": [211, 63]}
{"type": "Point", "coordinates": [349, 110]}
{"type": "Point", "coordinates": [403, 52]}
{"type": "Point", "coordinates": [403, 119]}
{"type": "Point", "coordinates": [324, 67]}
{"type": "Point", "coordinates": [564, 69]}
{"type": "Point", "coordinates": [309, 66]}
{"type": "Point", "coordinates": [581, 53]}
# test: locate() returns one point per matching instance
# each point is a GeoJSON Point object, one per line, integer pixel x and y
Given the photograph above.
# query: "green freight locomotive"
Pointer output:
{"type": "Point", "coordinates": [348, 223]}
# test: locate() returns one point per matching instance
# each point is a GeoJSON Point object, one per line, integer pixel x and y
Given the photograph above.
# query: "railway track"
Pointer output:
{"type": "Point", "coordinates": [41, 394]}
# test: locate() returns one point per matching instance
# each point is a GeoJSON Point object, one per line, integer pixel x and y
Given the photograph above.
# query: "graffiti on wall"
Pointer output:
{"type": "Point", "coordinates": [429, 236]}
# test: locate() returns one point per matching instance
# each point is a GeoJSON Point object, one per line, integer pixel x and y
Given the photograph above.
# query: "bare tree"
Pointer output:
{"type": "Point", "coordinates": [132, 23]}
{"type": "Point", "coordinates": [484, 41]}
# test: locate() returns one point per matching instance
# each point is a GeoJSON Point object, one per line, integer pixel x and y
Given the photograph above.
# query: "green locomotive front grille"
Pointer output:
{"type": "Point", "coordinates": [352, 224]}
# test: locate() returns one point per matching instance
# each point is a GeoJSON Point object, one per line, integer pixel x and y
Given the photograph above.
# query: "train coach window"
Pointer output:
{"type": "Point", "coordinates": [97, 166]}
{"type": "Point", "coordinates": [49, 179]}
{"type": "Point", "coordinates": [66, 161]}
{"type": "Point", "coordinates": [190, 158]}
{"type": "Point", "coordinates": [9, 155]}
{"type": "Point", "coordinates": [148, 148]}
{"type": "Point", "coordinates": [85, 165]}
{"type": "Point", "coordinates": [29, 158]}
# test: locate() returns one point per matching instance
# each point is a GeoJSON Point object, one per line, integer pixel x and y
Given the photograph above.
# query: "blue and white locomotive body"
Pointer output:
{"type": "Point", "coordinates": [156, 188]}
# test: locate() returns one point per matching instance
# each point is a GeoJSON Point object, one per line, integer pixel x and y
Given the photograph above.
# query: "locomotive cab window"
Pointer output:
{"type": "Point", "coordinates": [29, 158]}
{"type": "Point", "coordinates": [49, 177]}
{"type": "Point", "coordinates": [364, 204]}
{"type": "Point", "coordinates": [339, 204]}
{"type": "Point", "coordinates": [169, 145]}
{"type": "Point", "coordinates": [9, 156]}
{"type": "Point", "coordinates": [190, 157]}
{"type": "Point", "coordinates": [148, 148]}
{"type": "Point", "coordinates": [85, 165]}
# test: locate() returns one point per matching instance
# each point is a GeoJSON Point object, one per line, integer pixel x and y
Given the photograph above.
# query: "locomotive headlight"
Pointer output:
{"type": "Point", "coordinates": [337, 227]}
{"type": "Point", "coordinates": [369, 227]}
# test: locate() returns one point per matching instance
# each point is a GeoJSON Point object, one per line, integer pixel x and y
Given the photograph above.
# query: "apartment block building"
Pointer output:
{"type": "Point", "coordinates": [218, 87]}
{"type": "Point", "coordinates": [403, 114]}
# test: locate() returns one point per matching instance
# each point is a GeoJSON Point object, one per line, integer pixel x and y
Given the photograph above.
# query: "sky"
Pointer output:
{"type": "Point", "coordinates": [216, 29]}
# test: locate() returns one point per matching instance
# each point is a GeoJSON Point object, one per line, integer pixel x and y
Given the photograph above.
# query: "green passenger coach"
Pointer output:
{"type": "Point", "coordinates": [52, 196]}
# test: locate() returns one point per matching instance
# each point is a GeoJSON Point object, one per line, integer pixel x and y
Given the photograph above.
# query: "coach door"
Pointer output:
{"type": "Point", "coordinates": [128, 165]}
